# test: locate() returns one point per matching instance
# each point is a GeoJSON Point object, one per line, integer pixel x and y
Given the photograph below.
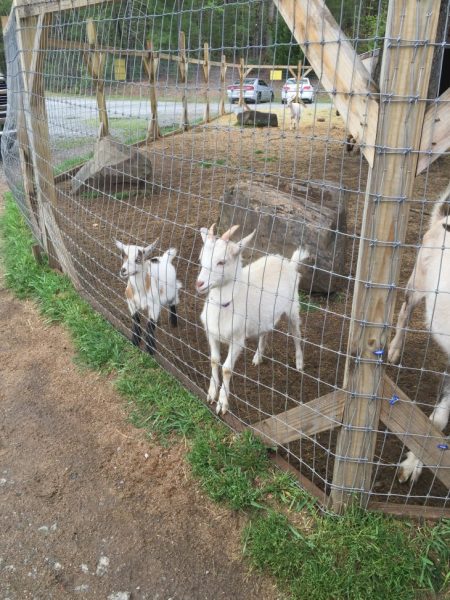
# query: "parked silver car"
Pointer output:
{"type": "Point", "coordinates": [305, 88]}
{"type": "Point", "coordinates": [255, 90]}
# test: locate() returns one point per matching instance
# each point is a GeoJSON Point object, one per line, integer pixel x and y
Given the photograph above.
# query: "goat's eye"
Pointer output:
{"type": "Point", "coordinates": [221, 263]}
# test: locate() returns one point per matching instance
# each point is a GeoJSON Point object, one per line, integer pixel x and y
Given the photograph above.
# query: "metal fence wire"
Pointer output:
{"type": "Point", "coordinates": [323, 127]}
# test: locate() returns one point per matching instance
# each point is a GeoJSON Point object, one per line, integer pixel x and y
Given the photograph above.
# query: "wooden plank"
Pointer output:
{"type": "Point", "coordinates": [33, 8]}
{"type": "Point", "coordinates": [435, 132]}
{"type": "Point", "coordinates": [410, 511]}
{"type": "Point", "coordinates": [405, 72]}
{"type": "Point", "coordinates": [405, 419]}
{"type": "Point", "coordinates": [337, 66]}
{"type": "Point", "coordinates": [304, 420]}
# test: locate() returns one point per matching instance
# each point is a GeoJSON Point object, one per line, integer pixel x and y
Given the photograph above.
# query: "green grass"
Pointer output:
{"type": "Point", "coordinates": [358, 556]}
{"type": "Point", "coordinates": [69, 163]}
{"type": "Point", "coordinates": [206, 164]}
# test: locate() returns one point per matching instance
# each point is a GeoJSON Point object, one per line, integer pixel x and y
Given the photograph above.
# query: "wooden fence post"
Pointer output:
{"type": "Point", "coordinates": [407, 58]}
{"type": "Point", "coordinates": [95, 62]}
{"type": "Point", "coordinates": [206, 116]}
{"type": "Point", "coordinates": [297, 85]}
{"type": "Point", "coordinates": [223, 91]}
{"type": "Point", "coordinates": [151, 66]}
{"type": "Point", "coordinates": [31, 40]}
{"type": "Point", "coordinates": [183, 69]}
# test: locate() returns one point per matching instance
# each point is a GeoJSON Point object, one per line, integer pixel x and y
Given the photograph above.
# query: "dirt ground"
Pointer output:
{"type": "Point", "coordinates": [89, 507]}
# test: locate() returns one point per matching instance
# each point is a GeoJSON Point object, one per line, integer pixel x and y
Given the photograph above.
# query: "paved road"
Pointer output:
{"type": "Point", "coordinates": [71, 116]}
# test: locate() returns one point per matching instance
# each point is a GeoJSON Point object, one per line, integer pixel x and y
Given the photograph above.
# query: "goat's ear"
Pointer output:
{"type": "Point", "coordinates": [204, 233]}
{"type": "Point", "coordinates": [246, 241]}
{"type": "Point", "coordinates": [120, 246]}
{"type": "Point", "coordinates": [149, 249]}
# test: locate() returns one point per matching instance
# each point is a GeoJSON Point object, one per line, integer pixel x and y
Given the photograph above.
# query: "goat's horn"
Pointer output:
{"type": "Point", "coordinates": [226, 236]}
{"type": "Point", "coordinates": [211, 230]}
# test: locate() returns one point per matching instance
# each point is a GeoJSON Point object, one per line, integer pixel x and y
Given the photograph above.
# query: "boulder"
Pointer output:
{"type": "Point", "coordinates": [113, 166]}
{"type": "Point", "coordinates": [256, 118]}
{"type": "Point", "coordinates": [311, 215]}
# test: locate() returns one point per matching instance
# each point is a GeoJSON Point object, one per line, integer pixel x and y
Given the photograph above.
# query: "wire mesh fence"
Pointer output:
{"type": "Point", "coordinates": [321, 127]}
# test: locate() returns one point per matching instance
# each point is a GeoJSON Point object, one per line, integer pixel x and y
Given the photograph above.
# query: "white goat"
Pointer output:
{"type": "Point", "coordinates": [152, 283]}
{"type": "Point", "coordinates": [296, 111]}
{"type": "Point", "coordinates": [430, 279]}
{"type": "Point", "coordinates": [244, 302]}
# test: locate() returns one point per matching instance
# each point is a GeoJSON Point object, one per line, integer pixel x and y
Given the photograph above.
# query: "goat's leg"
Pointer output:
{"type": "Point", "coordinates": [137, 329]}
{"type": "Point", "coordinates": [233, 354]}
{"type": "Point", "coordinates": [150, 337]}
{"type": "Point", "coordinates": [294, 328]}
{"type": "Point", "coordinates": [412, 466]}
{"type": "Point", "coordinates": [412, 298]}
{"type": "Point", "coordinates": [173, 315]}
{"type": "Point", "coordinates": [258, 358]}
{"type": "Point", "coordinates": [214, 346]}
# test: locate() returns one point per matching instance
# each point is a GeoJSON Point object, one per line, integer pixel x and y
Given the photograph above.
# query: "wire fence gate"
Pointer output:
{"type": "Point", "coordinates": [317, 125]}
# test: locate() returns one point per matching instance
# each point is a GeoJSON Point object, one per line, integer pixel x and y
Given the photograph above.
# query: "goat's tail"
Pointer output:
{"type": "Point", "coordinates": [441, 207]}
{"type": "Point", "coordinates": [299, 255]}
{"type": "Point", "coordinates": [170, 253]}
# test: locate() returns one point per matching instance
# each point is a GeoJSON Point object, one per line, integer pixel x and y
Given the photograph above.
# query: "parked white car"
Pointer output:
{"type": "Point", "coordinates": [255, 90]}
{"type": "Point", "coordinates": [305, 88]}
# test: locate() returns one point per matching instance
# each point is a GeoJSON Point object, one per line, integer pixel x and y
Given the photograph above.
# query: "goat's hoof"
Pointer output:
{"type": "Point", "coordinates": [410, 469]}
{"type": "Point", "coordinates": [221, 408]}
{"type": "Point", "coordinates": [257, 360]}
{"type": "Point", "coordinates": [135, 342]}
{"type": "Point", "coordinates": [394, 355]}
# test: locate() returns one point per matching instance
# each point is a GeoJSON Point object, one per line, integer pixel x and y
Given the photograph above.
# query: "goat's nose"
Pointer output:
{"type": "Point", "coordinates": [123, 272]}
{"type": "Point", "coordinates": [199, 283]}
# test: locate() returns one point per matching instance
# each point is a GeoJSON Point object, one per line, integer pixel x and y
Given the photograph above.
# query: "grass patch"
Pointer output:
{"type": "Point", "coordinates": [358, 556]}
{"type": "Point", "coordinates": [70, 163]}
{"type": "Point", "coordinates": [206, 164]}
{"type": "Point", "coordinates": [355, 557]}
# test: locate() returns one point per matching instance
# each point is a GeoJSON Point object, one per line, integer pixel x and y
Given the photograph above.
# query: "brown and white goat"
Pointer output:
{"type": "Point", "coordinates": [430, 280]}
{"type": "Point", "coordinates": [152, 284]}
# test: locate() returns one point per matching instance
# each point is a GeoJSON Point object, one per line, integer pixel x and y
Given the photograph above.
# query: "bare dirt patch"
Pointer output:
{"type": "Point", "coordinates": [89, 507]}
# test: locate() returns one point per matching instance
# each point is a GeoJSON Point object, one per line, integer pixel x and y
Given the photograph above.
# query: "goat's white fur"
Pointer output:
{"type": "Point", "coordinates": [430, 280]}
{"type": "Point", "coordinates": [244, 302]}
{"type": "Point", "coordinates": [296, 112]}
{"type": "Point", "coordinates": [152, 284]}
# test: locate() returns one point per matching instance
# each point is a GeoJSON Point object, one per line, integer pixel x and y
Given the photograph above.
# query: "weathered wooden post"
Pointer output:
{"type": "Point", "coordinates": [95, 62]}
{"type": "Point", "coordinates": [206, 69]}
{"type": "Point", "coordinates": [151, 66]}
{"type": "Point", "coordinates": [405, 73]}
{"type": "Point", "coordinates": [31, 39]}
{"type": "Point", "coordinates": [223, 91]}
{"type": "Point", "coordinates": [183, 70]}
{"type": "Point", "coordinates": [242, 101]}
{"type": "Point", "coordinates": [297, 85]}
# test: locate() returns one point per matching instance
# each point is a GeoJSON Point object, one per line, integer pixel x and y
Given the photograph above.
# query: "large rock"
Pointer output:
{"type": "Point", "coordinates": [256, 118]}
{"type": "Point", "coordinates": [113, 166]}
{"type": "Point", "coordinates": [311, 215]}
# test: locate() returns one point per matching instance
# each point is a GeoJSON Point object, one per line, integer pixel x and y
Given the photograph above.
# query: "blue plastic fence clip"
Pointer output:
{"type": "Point", "coordinates": [378, 352]}
{"type": "Point", "coordinates": [393, 400]}
{"type": "Point", "coordinates": [442, 446]}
